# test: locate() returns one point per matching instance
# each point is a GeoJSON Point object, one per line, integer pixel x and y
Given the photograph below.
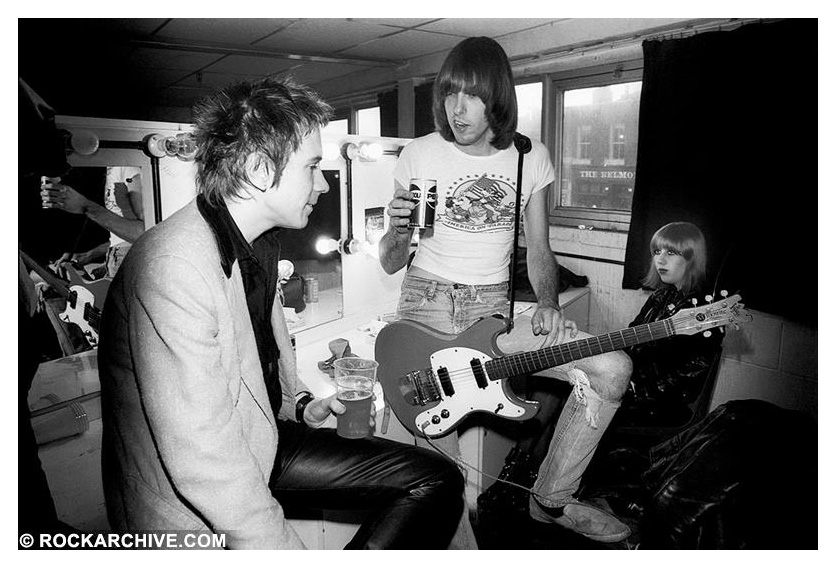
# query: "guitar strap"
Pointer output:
{"type": "Point", "coordinates": [523, 146]}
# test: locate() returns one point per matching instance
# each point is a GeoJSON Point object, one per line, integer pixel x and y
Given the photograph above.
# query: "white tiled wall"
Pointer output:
{"type": "Point", "coordinates": [770, 358]}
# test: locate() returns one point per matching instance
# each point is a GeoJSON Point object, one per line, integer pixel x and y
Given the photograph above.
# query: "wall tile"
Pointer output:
{"type": "Point", "coordinates": [767, 358]}
{"type": "Point", "coordinates": [739, 381]}
{"type": "Point", "coordinates": [757, 342]}
{"type": "Point", "coordinates": [799, 350]}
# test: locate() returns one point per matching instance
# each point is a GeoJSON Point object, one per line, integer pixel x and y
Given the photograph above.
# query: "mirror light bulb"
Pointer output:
{"type": "Point", "coordinates": [371, 152]}
{"type": "Point", "coordinates": [84, 142]}
{"type": "Point", "coordinates": [326, 245]}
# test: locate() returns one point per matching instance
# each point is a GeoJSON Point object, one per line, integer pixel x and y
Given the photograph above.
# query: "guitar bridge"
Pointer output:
{"type": "Point", "coordinates": [420, 387]}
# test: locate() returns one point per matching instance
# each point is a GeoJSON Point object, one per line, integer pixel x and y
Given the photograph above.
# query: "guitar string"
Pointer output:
{"type": "Point", "coordinates": [460, 460]}
{"type": "Point", "coordinates": [593, 346]}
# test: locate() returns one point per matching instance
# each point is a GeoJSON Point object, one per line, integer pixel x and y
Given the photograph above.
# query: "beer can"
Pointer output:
{"type": "Point", "coordinates": [311, 290]}
{"type": "Point", "coordinates": [45, 180]}
{"type": "Point", "coordinates": [425, 196]}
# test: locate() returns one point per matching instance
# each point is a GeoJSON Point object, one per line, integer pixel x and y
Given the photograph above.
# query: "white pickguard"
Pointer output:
{"type": "Point", "coordinates": [76, 314]}
{"type": "Point", "coordinates": [468, 397]}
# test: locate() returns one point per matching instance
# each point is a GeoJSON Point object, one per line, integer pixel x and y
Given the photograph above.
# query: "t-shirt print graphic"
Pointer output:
{"type": "Point", "coordinates": [485, 204]}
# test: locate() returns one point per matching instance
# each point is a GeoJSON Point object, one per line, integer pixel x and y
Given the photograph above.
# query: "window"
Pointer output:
{"type": "Point", "coordinates": [597, 117]}
{"type": "Point", "coordinates": [368, 121]}
{"type": "Point", "coordinates": [530, 109]}
{"type": "Point", "coordinates": [337, 127]}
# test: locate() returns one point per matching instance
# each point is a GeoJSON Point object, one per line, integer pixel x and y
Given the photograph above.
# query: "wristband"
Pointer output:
{"type": "Point", "coordinates": [303, 398]}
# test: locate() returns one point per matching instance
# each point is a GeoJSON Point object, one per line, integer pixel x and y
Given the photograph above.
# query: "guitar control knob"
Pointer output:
{"type": "Point", "coordinates": [436, 419]}
{"type": "Point", "coordinates": [445, 413]}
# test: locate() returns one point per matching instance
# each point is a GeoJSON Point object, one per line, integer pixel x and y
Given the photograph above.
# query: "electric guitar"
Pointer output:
{"type": "Point", "coordinates": [433, 380]}
{"type": "Point", "coordinates": [84, 300]}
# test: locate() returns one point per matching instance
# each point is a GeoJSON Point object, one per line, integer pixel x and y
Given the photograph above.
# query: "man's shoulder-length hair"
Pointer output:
{"type": "Point", "coordinates": [479, 66]}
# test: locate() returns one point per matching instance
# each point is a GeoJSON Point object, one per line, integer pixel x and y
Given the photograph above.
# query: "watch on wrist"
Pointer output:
{"type": "Point", "coordinates": [303, 398]}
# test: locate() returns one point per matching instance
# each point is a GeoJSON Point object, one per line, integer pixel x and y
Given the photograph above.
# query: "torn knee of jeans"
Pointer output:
{"type": "Point", "coordinates": [586, 396]}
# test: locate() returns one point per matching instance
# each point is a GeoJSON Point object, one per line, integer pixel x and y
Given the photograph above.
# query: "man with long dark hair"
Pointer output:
{"type": "Point", "coordinates": [461, 268]}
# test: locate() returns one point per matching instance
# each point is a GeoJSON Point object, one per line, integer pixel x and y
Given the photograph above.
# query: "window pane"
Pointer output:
{"type": "Point", "coordinates": [368, 121]}
{"type": "Point", "coordinates": [530, 109]}
{"type": "Point", "coordinates": [337, 127]}
{"type": "Point", "coordinates": [600, 132]}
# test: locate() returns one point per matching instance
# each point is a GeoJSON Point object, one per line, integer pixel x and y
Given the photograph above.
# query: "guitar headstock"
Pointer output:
{"type": "Point", "coordinates": [728, 311]}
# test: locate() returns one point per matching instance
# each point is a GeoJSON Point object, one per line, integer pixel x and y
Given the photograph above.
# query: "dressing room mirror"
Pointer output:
{"type": "Point", "coordinates": [313, 295]}
{"type": "Point", "coordinates": [74, 292]}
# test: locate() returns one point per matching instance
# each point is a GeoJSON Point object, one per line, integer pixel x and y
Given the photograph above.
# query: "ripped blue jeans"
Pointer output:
{"type": "Point", "coordinates": [453, 308]}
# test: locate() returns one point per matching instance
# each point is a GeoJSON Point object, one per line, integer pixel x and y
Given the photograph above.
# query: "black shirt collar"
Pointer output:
{"type": "Point", "coordinates": [259, 274]}
{"type": "Point", "coordinates": [231, 242]}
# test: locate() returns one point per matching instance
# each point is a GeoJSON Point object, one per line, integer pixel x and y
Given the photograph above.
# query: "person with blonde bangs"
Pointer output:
{"type": "Point", "coordinates": [669, 374]}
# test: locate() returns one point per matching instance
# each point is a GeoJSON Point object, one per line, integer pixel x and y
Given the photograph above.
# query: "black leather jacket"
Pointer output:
{"type": "Point", "coordinates": [668, 374]}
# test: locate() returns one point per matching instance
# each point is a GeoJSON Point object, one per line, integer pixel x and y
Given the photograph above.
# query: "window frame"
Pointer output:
{"type": "Point", "coordinates": [355, 111]}
{"type": "Point", "coordinates": [598, 76]}
{"type": "Point", "coordinates": [544, 98]}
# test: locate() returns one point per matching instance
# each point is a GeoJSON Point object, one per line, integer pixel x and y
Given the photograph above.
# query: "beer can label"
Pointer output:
{"type": "Point", "coordinates": [425, 196]}
{"type": "Point", "coordinates": [311, 290]}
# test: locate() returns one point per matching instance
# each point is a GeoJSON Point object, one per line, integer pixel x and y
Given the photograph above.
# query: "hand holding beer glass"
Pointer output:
{"type": "Point", "coordinates": [355, 378]}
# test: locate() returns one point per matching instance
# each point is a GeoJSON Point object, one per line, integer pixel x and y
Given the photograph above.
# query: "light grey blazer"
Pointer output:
{"type": "Point", "coordinates": [189, 440]}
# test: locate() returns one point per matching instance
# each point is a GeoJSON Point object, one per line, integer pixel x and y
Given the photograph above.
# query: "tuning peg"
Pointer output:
{"type": "Point", "coordinates": [708, 298]}
{"type": "Point", "coordinates": [724, 293]}
{"type": "Point", "coordinates": [706, 333]}
{"type": "Point", "coordinates": [694, 301]}
{"type": "Point", "coordinates": [736, 327]}
{"type": "Point", "coordinates": [671, 307]}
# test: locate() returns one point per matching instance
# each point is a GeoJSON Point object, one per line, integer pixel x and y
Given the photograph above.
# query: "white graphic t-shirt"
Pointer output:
{"type": "Point", "coordinates": [471, 239]}
{"type": "Point", "coordinates": [119, 182]}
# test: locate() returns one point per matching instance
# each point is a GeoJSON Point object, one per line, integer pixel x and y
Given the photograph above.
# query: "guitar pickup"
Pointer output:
{"type": "Point", "coordinates": [479, 373]}
{"type": "Point", "coordinates": [424, 387]}
{"type": "Point", "coordinates": [446, 382]}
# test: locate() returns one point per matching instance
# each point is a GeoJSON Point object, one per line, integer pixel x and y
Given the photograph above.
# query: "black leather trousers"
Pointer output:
{"type": "Point", "coordinates": [413, 495]}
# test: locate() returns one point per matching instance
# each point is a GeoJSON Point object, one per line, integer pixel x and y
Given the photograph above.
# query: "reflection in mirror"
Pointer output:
{"type": "Point", "coordinates": [76, 292]}
{"type": "Point", "coordinates": [70, 261]}
{"type": "Point", "coordinates": [313, 294]}
{"type": "Point", "coordinates": [73, 259]}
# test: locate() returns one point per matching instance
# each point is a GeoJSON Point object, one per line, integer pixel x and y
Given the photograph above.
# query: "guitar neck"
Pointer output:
{"type": "Point", "coordinates": [59, 285]}
{"type": "Point", "coordinates": [541, 359]}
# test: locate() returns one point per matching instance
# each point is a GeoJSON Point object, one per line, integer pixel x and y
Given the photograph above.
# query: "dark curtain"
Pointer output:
{"type": "Point", "coordinates": [424, 120]}
{"type": "Point", "coordinates": [388, 103]}
{"type": "Point", "coordinates": [728, 141]}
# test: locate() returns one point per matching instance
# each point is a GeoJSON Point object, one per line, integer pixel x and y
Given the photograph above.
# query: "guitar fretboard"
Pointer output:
{"type": "Point", "coordinates": [534, 361]}
{"type": "Point", "coordinates": [93, 316]}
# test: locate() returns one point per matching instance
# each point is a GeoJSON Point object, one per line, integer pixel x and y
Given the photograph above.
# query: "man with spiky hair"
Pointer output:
{"type": "Point", "coordinates": [206, 427]}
